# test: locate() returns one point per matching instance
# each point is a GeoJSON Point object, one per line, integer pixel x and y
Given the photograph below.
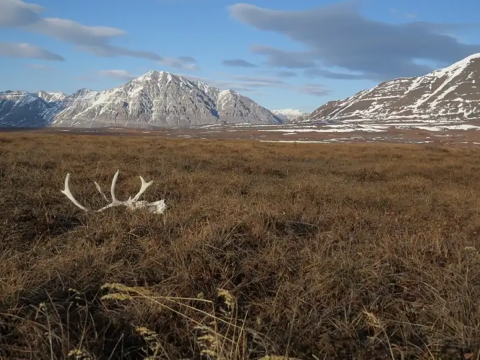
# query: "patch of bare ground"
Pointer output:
{"type": "Point", "coordinates": [306, 251]}
{"type": "Point", "coordinates": [391, 135]}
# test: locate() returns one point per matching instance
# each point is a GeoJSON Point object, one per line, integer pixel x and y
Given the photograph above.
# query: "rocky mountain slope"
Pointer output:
{"type": "Point", "coordinates": [22, 109]}
{"type": "Point", "coordinates": [288, 114]}
{"type": "Point", "coordinates": [452, 93]}
{"type": "Point", "coordinates": [155, 99]}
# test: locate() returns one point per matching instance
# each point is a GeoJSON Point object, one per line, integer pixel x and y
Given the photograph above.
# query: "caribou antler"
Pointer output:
{"type": "Point", "coordinates": [156, 207]}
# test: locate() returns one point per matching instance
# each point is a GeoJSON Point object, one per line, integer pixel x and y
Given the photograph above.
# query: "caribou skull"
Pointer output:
{"type": "Point", "coordinates": [156, 207]}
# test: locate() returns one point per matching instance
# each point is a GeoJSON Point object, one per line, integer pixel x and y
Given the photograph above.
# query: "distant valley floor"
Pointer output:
{"type": "Point", "coordinates": [349, 131]}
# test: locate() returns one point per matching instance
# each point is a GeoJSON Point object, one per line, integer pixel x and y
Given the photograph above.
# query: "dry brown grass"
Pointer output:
{"type": "Point", "coordinates": [324, 251]}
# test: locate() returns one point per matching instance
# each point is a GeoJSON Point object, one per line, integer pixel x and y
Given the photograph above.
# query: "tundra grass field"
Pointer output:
{"type": "Point", "coordinates": [294, 251]}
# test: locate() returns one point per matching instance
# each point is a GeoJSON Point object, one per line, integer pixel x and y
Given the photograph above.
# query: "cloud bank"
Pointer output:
{"type": "Point", "coordinates": [339, 36]}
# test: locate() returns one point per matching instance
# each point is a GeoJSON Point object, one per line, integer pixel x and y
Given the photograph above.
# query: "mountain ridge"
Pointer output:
{"type": "Point", "coordinates": [154, 99]}
{"type": "Point", "coordinates": [448, 93]}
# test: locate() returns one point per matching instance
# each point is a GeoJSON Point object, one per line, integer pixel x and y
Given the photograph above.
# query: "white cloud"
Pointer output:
{"type": "Point", "coordinates": [74, 32]}
{"type": "Point", "coordinates": [117, 74]}
{"type": "Point", "coordinates": [183, 62]}
{"type": "Point", "coordinates": [15, 13]}
{"type": "Point", "coordinates": [24, 50]}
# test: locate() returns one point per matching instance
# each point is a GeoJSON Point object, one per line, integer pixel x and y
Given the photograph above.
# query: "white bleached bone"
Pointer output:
{"type": "Point", "coordinates": [156, 207]}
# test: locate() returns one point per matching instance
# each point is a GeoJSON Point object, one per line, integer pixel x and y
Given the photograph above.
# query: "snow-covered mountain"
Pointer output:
{"type": "Point", "coordinates": [22, 109]}
{"type": "Point", "coordinates": [288, 114]}
{"type": "Point", "coordinates": [452, 93]}
{"type": "Point", "coordinates": [155, 99]}
{"type": "Point", "coordinates": [51, 96]}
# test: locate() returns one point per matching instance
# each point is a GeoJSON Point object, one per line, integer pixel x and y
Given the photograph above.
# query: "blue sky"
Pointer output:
{"type": "Point", "coordinates": [282, 53]}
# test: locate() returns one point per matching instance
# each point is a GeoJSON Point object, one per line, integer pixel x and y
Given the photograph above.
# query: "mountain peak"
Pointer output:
{"type": "Point", "coordinates": [288, 114]}
{"type": "Point", "coordinates": [82, 91]}
{"type": "Point", "coordinates": [155, 99]}
{"type": "Point", "coordinates": [458, 66]}
{"type": "Point", "coordinates": [50, 96]}
{"type": "Point", "coordinates": [468, 59]}
{"type": "Point", "coordinates": [154, 74]}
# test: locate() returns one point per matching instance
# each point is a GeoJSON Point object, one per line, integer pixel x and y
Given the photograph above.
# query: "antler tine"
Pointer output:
{"type": "Point", "coordinates": [144, 187]}
{"type": "Point", "coordinates": [107, 207]}
{"type": "Point", "coordinates": [112, 189]}
{"type": "Point", "coordinates": [69, 195]}
{"type": "Point", "coordinates": [101, 191]}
